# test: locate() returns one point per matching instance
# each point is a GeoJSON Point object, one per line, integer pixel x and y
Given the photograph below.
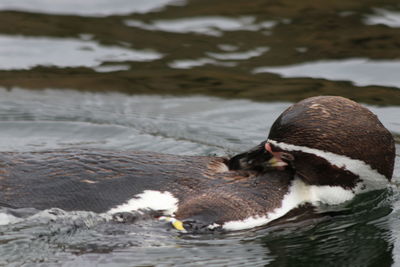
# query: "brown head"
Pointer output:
{"type": "Point", "coordinates": [334, 141]}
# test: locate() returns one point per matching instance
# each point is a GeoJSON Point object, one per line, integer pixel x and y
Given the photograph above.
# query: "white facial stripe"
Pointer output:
{"type": "Point", "coordinates": [299, 193]}
{"type": "Point", "coordinates": [371, 178]}
{"type": "Point", "coordinates": [149, 199]}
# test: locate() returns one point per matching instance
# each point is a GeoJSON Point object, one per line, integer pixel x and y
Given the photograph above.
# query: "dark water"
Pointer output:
{"type": "Point", "coordinates": [196, 78]}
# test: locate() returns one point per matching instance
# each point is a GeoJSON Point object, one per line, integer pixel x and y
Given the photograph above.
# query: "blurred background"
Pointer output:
{"type": "Point", "coordinates": [193, 77]}
{"type": "Point", "coordinates": [261, 50]}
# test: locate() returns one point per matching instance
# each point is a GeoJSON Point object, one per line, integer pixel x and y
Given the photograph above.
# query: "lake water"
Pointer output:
{"type": "Point", "coordinates": [191, 78]}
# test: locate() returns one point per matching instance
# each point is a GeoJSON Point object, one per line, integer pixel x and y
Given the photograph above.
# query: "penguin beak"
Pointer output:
{"type": "Point", "coordinates": [260, 158]}
{"type": "Point", "coordinates": [276, 163]}
{"type": "Point", "coordinates": [277, 160]}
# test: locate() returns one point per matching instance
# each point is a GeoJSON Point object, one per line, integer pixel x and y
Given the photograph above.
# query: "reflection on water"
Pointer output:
{"type": "Point", "coordinates": [87, 7]}
{"type": "Point", "coordinates": [191, 63]}
{"type": "Point", "coordinates": [160, 52]}
{"type": "Point", "coordinates": [385, 17]}
{"type": "Point", "coordinates": [359, 233]}
{"type": "Point", "coordinates": [328, 243]}
{"type": "Point", "coordinates": [28, 52]}
{"type": "Point", "coordinates": [32, 120]}
{"type": "Point", "coordinates": [37, 120]}
{"type": "Point", "coordinates": [194, 47]}
{"type": "Point", "coordinates": [393, 225]}
{"type": "Point", "coordinates": [361, 72]}
{"type": "Point", "coordinates": [256, 52]}
{"type": "Point", "coordinates": [112, 68]}
{"type": "Point", "coordinates": [214, 26]}
{"type": "Point", "coordinates": [225, 59]}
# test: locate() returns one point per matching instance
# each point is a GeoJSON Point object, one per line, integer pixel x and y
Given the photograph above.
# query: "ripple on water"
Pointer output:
{"type": "Point", "coordinates": [226, 59]}
{"type": "Point", "coordinates": [385, 17]}
{"type": "Point", "coordinates": [19, 52]}
{"type": "Point", "coordinates": [361, 232]}
{"type": "Point", "coordinates": [48, 119]}
{"type": "Point", "coordinates": [96, 8]}
{"type": "Point", "coordinates": [191, 125]}
{"type": "Point", "coordinates": [211, 25]}
{"type": "Point", "coordinates": [83, 237]}
{"type": "Point", "coordinates": [80, 237]}
{"type": "Point", "coordinates": [256, 52]}
{"type": "Point", "coordinates": [361, 72]}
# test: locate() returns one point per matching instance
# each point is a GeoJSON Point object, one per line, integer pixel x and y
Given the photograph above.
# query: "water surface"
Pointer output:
{"type": "Point", "coordinates": [192, 78]}
{"type": "Point", "coordinates": [54, 119]}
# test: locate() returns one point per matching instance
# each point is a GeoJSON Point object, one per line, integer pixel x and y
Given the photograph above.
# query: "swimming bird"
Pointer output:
{"type": "Point", "coordinates": [323, 149]}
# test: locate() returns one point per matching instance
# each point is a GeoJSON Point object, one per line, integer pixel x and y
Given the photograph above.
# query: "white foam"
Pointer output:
{"type": "Point", "coordinates": [372, 179]}
{"type": "Point", "coordinates": [149, 199]}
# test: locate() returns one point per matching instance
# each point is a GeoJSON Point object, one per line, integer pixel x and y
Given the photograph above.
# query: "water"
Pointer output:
{"type": "Point", "coordinates": [191, 78]}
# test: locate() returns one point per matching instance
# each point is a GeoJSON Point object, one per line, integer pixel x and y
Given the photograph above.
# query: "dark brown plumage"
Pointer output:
{"type": "Point", "coordinates": [99, 180]}
{"type": "Point", "coordinates": [339, 125]}
{"type": "Point", "coordinates": [329, 124]}
{"type": "Point", "coordinates": [207, 190]}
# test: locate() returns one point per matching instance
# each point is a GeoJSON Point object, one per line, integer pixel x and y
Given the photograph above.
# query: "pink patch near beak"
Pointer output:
{"type": "Point", "coordinates": [277, 156]}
